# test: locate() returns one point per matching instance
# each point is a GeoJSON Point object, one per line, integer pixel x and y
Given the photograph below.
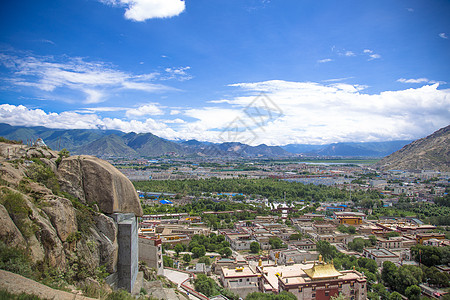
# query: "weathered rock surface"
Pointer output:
{"type": "Point", "coordinates": [61, 214]}
{"type": "Point", "coordinates": [8, 230]}
{"type": "Point", "coordinates": [49, 239]}
{"type": "Point", "coordinates": [106, 236]}
{"type": "Point", "coordinates": [93, 180]}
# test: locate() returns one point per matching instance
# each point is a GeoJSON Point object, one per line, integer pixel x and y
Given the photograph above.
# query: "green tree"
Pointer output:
{"type": "Point", "coordinates": [327, 250]}
{"type": "Point", "coordinates": [395, 296]}
{"type": "Point", "coordinates": [357, 245]}
{"type": "Point", "coordinates": [381, 291]}
{"type": "Point", "coordinates": [389, 274]}
{"type": "Point", "coordinates": [351, 229]}
{"type": "Point", "coordinates": [167, 261]}
{"type": "Point", "coordinates": [392, 234]}
{"type": "Point", "coordinates": [254, 247]}
{"type": "Point", "coordinates": [178, 248]}
{"type": "Point", "coordinates": [205, 285]}
{"type": "Point", "coordinates": [187, 257]}
{"type": "Point", "coordinates": [204, 260]}
{"type": "Point", "coordinates": [413, 292]}
{"type": "Point", "coordinates": [198, 251]}
{"type": "Point", "coordinates": [276, 243]}
{"type": "Point", "coordinates": [296, 237]}
{"type": "Point", "coordinates": [262, 296]}
{"type": "Point", "coordinates": [225, 252]}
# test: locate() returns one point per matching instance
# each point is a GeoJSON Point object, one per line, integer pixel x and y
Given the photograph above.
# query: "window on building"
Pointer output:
{"type": "Point", "coordinates": [240, 280]}
{"type": "Point", "coordinates": [314, 295]}
{"type": "Point", "coordinates": [327, 293]}
{"type": "Point", "coordinates": [313, 288]}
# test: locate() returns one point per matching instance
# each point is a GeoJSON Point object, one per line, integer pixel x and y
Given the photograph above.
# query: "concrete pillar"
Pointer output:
{"type": "Point", "coordinates": [127, 238]}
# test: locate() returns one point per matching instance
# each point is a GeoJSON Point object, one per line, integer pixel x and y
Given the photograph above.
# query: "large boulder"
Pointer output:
{"type": "Point", "coordinates": [93, 180]}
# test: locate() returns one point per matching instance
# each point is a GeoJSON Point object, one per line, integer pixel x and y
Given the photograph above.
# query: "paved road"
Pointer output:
{"type": "Point", "coordinates": [175, 276]}
{"type": "Point", "coordinates": [178, 278]}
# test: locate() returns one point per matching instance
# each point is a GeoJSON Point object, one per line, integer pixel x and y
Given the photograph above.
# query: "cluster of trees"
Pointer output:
{"type": "Point", "coordinates": [358, 244]}
{"type": "Point", "coordinates": [276, 243]}
{"type": "Point", "coordinates": [431, 256]}
{"type": "Point", "coordinates": [207, 286]}
{"type": "Point", "coordinates": [267, 187]}
{"type": "Point", "coordinates": [346, 229]}
{"type": "Point", "coordinates": [199, 244]}
{"type": "Point", "coordinates": [406, 278]}
{"type": "Point", "coordinates": [436, 214]}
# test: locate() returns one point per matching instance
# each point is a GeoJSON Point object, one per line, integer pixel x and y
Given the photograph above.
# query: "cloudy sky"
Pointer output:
{"type": "Point", "coordinates": [255, 71]}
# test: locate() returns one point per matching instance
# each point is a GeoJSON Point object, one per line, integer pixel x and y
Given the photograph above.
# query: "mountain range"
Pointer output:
{"type": "Point", "coordinates": [114, 143]}
{"type": "Point", "coordinates": [429, 153]}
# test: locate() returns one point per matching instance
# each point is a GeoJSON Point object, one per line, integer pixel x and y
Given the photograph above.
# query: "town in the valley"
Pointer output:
{"type": "Point", "coordinates": [315, 229]}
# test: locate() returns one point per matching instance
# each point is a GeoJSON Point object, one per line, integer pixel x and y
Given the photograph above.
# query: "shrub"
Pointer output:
{"type": "Point", "coordinates": [41, 173]}
{"type": "Point", "coordinates": [15, 260]}
{"type": "Point", "coordinates": [18, 210]}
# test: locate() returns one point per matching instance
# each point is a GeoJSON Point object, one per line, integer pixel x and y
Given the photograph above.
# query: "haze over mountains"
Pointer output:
{"type": "Point", "coordinates": [114, 143]}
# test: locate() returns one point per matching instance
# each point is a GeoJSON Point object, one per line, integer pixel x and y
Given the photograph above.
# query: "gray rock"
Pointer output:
{"type": "Point", "coordinates": [93, 180]}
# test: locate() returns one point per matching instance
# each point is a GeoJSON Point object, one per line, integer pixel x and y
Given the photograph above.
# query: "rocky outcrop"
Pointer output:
{"type": "Point", "coordinates": [93, 180]}
{"type": "Point", "coordinates": [62, 215]}
{"type": "Point", "coordinates": [429, 153]}
{"type": "Point", "coordinates": [69, 234]}
{"type": "Point", "coordinates": [8, 230]}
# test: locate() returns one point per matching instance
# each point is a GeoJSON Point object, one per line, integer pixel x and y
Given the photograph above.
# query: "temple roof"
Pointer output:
{"type": "Point", "coordinates": [322, 270]}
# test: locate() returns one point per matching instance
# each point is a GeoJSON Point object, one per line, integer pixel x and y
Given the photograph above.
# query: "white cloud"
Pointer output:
{"type": "Point", "coordinates": [371, 55]}
{"type": "Point", "coordinates": [175, 121]}
{"type": "Point", "coordinates": [419, 80]}
{"type": "Point", "coordinates": [349, 53]}
{"type": "Point", "coordinates": [443, 35]}
{"type": "Point", "coordinates": [317, 113]}
{"type": "Point", "coordinates": [325, 60]}
{"type": "Point", "coordinates": [141, 10]}
{"type": "Point", "coordinates": [144, 110]}
{"type": "Point", "coordinates": [178, 73]}
{"type": "Point", "coordinates": [311, 112]}
{"type": "Point", "coordinates": [93, 79]}
{"type": "Point", "coordinates": [22, 116]}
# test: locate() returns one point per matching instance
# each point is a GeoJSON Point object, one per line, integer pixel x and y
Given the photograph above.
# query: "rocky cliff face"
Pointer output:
{"type": "Point", "coordinates": [55, 208]}
{"type": "Point", "coordinates": [429, 153]}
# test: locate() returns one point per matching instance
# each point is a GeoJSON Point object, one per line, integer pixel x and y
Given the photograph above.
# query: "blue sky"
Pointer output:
{"type": "Point", "coordinates": [255, 71]}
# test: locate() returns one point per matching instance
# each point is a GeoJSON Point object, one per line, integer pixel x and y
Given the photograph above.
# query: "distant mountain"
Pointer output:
{"type": "Point", "coordinates": [366, 149]}
{"type": "Point", "coordinates": [147, 144]}
{"type": "Point", "coordinates": [55, 138]}
{"type": "Point", "coordinates": [108, 146]}
{"type": "Point", "coordinates": [429, 153]}
{"type": "Point", "coordinates": [114, 143]}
